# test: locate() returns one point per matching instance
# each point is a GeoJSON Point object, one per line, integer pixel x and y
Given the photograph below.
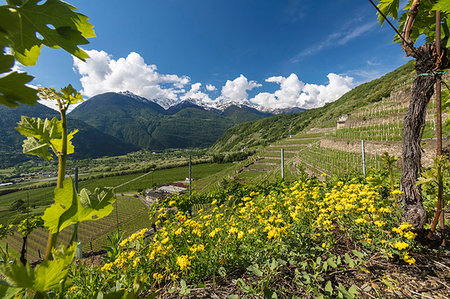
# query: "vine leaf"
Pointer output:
{"type": "Point", "coordinates": [388, 8]}
{"type": "Point", "coordinates": [69, 208]}
{"type": "Point", "coordinates": [442, 5]}
{"type": "Point", "coordinates": [93, 206]}
{"type": "Point", "coordinates": [62, 212]}
{"type": "Point", "coordinates": [47, 276]}
{"type": "Point", "coordinates": [30, 25]}
{"type": "Point", "coordinates": [42, 134]}
{"type": "Point", "coordinates": [13, 90]}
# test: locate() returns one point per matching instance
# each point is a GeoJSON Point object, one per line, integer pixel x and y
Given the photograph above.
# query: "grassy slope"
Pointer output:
{"type": "Point", "coordinates": [268, 130]}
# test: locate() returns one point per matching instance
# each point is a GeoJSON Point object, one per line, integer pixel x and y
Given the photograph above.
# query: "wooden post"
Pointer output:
{"type": "Point", "coordinates": [363, 158]}
{"type": "Point", "coordinates": [282, 164]}
{"type": "Point", "coordinates": [439, 120]}
{"type": "Point", "coordinates": [190, 177]}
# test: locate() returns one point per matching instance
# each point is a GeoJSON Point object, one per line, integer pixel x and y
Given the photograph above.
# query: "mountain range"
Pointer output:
{"type": "Point", "coordinates": [148, 125]}
{"type": "Point", "coordinates": [112, 124]}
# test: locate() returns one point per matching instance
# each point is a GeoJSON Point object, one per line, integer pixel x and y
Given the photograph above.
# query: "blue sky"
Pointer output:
{"type": "Point", "coordinates": [272, 53]}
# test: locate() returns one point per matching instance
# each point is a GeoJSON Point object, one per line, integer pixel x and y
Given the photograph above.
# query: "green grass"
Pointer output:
{"type": "Point", "coordinates": [42, 197]}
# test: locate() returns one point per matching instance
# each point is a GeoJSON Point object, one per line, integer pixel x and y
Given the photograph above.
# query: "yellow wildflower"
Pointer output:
{"type": "Point", "coordinates": [183, 261]}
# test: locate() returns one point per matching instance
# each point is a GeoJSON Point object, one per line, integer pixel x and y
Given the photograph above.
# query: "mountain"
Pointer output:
{"type": "Point", "coordinates": [146, 124]}
{"type": "Point", "coordinates": [268, 130]}
{"type": "Point", "coordinates": [89, 142]}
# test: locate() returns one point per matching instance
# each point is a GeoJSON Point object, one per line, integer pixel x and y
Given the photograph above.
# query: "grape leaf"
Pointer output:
{"type": "Point", "coordinates": [32, 146]}
{"type": "Point", "coordinates": [442, 5]}
{"type": "Point", "coordinates": [93, 206]}
{"type": "Point", "coordinates": [54, 23]}
{"type": "Point", "coordinates": [62, 212]}
{"type": "Point", "coordinates": [47, 276]}
{"type": "Point", "coordinates": [388, 8]}
{"type": "Point", "coordinates": [13, 90]}
{"type": "Point", "coordinates": [48, 134]}
{"type": "Point", "coordinates": [70, 209]}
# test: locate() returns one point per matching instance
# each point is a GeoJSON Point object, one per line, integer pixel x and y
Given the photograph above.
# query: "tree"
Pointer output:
{"type": "Point", "coordinates": [418, 20]}
{"type": "Point", "coordinates": [25, 27]}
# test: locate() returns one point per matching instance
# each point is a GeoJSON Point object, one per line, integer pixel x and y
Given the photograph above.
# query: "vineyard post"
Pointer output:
{"type": "Point", "coordinates": [79, 251]}
{"type": "Point", "coordinates": [190, 178]}
{"type": "Point", "coordinates": [363, 158]}
{"type": "Point", "coordinates": [282, 164]}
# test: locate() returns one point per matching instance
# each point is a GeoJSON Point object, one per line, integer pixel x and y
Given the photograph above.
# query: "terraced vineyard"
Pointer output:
{"type": "Point", "coordinates": [337, 150]}
{"type": "Point", "coordinates": [129, 215]}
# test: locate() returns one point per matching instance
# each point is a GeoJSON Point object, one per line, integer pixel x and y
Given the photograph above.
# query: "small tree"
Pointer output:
{"type": "Point", "coordinates": [418, 20]}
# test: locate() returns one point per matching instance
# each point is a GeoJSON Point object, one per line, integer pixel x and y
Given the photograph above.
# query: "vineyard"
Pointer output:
{"type": "Point", "coordinates": [337, 150]}
{"type": "Point", "coordinates": [129, 215]}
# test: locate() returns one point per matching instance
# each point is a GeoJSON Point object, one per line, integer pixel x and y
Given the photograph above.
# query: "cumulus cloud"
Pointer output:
{"type": "Point", "coordinates": [210, 87]}
{"type": "Point", "coordinates": [101, 73]}
{"type": "Point", "coordinates": [295, 93]}
{"type": "Point", "coordinates": [236, 90]}
{"type": "Point", "coordinates": [196, 93]}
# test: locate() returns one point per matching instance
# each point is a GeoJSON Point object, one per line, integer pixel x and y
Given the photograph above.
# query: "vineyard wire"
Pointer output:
{"type": "Point", "coordinates": [135, 179]}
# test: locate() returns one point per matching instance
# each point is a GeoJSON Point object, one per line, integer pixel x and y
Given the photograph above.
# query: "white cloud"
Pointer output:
{"type": "Point", "coordinates": [101, 73]}
{"type": "Point", "coordinates": [196, 93]}
{"type": "Point", "coordinates": [341, 37]}
{"type": "Point", "coordinates": [295, 93]}
{"type": "Point", "coordinates": [236, 90]}
{"type": "Point", "coordinates": [210, 87]}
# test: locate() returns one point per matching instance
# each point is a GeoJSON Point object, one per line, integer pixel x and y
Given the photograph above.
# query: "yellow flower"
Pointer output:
{"type": "Point", "coordinates": [158, 275]}
{"type": "Point", "coordinates": [379, 223]}
{"type": "Point", "coordinates": [165, 240]}
{"type": "Point", "coordinates": [178, 231]}
{"type": "Point", "coordinates": [361, 220]}
{"type": "Point", "coordinates": [251, 231]}
{"type": "Point", "coordinates": [172, 203]}
{"type": "Point", "coordinates": [233, 230]}
{"type": "Point", "coordinates": [240, 235]}
{"type": "Point", "coordinates": [401, 245]}
{"type": "Point", "coordinates": [214, 202]}
{"type": "Point", "coordinates": [408, 259]}
{"type": "Point", "coordinates": [107, 267]}
{"type": "Point", "coordinates": [136, 261]}
{"type": "Point", "coordinates": [410, 235]}
{"type": "Point", "coordinates": [183, 261]}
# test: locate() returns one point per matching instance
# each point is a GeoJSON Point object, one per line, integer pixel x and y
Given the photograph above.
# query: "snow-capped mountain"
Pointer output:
{"type": "Point", "coordinates": [163, 102]}
{"type": "Point", "coordinates": [219, 104]}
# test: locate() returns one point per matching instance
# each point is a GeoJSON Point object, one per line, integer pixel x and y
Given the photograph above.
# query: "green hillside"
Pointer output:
{"type": "Point", "coordinates": [89, 141]}
{"type": "Point", "coordinates": [268, 130]}
{"type": "Point", "coordinates": [147, 125]}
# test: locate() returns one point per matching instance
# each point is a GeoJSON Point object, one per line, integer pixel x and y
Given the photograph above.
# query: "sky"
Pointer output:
{"type": "Point", "coordinates": [272, 53]}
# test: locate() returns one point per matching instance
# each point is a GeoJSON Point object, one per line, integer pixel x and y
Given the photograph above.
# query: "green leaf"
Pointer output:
{"type": "Point", "coordinates": [331, 262]}
{"type": "Point", "coordinates": [94, 206]}
{"type": "Point", "coordinates": [255, 270]}
{"type": "Point", "coordinates": [358, 254]}
{"type": "Point", "coordinates": [32, 146]}
{"type": "Point", "coordinates": [388, 8]}
{"type": "Point", "coordinates": [329, 288]}
{"type": "Point", "coordinates": [442, 5]}
{"type": "Point", "coordinates": [47, 276]}
{"type": "Point", "coordinates": [13, 90]}
{"type": "Point", "coordinates": [56, 22]}
{"type": "Point", "coordinates": [63, 212]}
{"type": "Point", "coordinates": [48, 134]}
{"type": "Point", "coordinates": [349, 260]}
{"type": "Point", "coordinates": [70, 209]}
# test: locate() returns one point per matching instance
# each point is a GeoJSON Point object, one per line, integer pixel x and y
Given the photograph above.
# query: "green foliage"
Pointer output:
{"type": "Point", "coordinates": [43, 134]}
{"type": "Point", "coordinates": [26, 26]}
{"type": "Point", "coordinates": [29, 224]}
{"type": "Point", "coordinates": [69, 208]}
{"type": "Point", "coordinates": [49, 275]}
{"type": "Point", "coordinates": [424, 22]}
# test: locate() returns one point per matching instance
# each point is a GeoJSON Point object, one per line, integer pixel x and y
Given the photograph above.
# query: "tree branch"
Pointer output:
{"type": "Point", "coordinates": [407, 44]}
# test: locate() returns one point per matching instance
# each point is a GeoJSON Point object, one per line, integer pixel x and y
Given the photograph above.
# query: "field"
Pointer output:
{"type": "Point", "coordinates": [129, 215]}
